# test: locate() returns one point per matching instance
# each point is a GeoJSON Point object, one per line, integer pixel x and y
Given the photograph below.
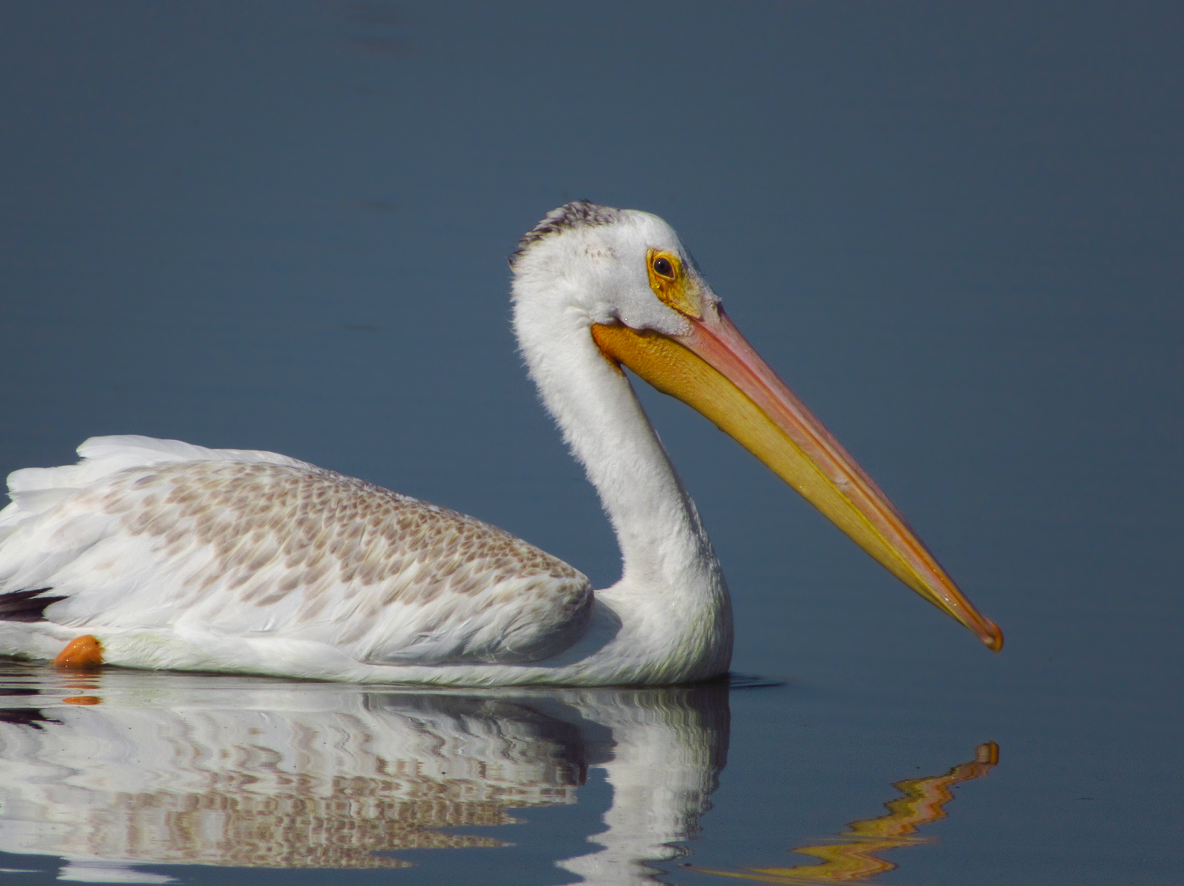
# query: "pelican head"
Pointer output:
{"type": "Point", "coordinates": [619, 283]}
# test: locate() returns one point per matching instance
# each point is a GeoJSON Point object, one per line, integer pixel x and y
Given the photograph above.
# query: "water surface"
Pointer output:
{"type": "Point", "coordinates": [121, 776]}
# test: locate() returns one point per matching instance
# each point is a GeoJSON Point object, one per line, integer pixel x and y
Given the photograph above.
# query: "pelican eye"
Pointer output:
{"type": "Point", "coordinates": [671, 284]}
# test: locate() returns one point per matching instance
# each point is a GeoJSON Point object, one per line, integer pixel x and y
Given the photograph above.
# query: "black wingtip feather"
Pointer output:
{"type": "Point", "coordinates": [25, 605]}
{"type": "Point", "coordinates": [26, 717]}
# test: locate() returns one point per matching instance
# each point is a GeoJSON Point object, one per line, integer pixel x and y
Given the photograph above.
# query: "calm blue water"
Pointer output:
{"type": "Point", "coordinates": [956, 232]}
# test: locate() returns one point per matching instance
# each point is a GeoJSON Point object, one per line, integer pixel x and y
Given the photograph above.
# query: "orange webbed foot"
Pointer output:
{"type": "Point", "coordinates": [81, 652]}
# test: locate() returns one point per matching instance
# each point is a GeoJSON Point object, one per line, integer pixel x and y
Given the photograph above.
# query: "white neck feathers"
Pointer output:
{"type": "Point", "coordinates": [664, 546]}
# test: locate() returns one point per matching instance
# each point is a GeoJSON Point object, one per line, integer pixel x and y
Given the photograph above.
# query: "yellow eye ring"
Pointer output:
{"type": "Point", "coordinates": [671, 284]}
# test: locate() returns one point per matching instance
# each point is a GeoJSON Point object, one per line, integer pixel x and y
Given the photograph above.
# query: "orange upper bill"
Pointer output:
{"type": "Point", "coordinates": [715, 370]}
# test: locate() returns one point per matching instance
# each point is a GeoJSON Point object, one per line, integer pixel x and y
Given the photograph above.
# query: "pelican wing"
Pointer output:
{"type": "Point", "coordinates": [160, 534]}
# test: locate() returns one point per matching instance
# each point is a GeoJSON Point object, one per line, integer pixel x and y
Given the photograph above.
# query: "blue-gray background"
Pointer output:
{"type": "Point", "coordinates": [956, 230]}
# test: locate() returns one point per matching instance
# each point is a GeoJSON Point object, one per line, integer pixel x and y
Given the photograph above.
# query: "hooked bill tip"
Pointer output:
{"type": "Point", "coordinates": [993, 638]}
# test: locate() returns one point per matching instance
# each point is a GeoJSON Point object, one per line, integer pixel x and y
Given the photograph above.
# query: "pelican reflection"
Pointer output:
{"type": "Point", "coordinates": [113, 771]}
{"type": "Point", "coordinates": [117, 770]}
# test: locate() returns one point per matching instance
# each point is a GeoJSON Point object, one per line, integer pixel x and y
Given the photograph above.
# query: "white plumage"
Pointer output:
{"type": "Point", "coordinates": [176, 556]}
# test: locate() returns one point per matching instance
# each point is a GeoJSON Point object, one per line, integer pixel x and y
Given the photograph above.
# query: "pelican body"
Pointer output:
{"type": "Point", "coordinates": [160, 554]}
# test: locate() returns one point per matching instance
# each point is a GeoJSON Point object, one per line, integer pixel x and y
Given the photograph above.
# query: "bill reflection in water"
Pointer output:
{"type": "Point", "coordinates": [854, 856]}
{"type": "Point", "coordinates": [115, 770]}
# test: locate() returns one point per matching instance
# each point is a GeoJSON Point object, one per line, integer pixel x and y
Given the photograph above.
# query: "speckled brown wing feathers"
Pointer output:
{"type": "Point", "coordinates": [296, 551]}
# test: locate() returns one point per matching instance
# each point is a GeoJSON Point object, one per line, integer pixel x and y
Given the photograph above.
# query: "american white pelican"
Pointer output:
{"type": "Point", "coordinates": [160, 554]}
